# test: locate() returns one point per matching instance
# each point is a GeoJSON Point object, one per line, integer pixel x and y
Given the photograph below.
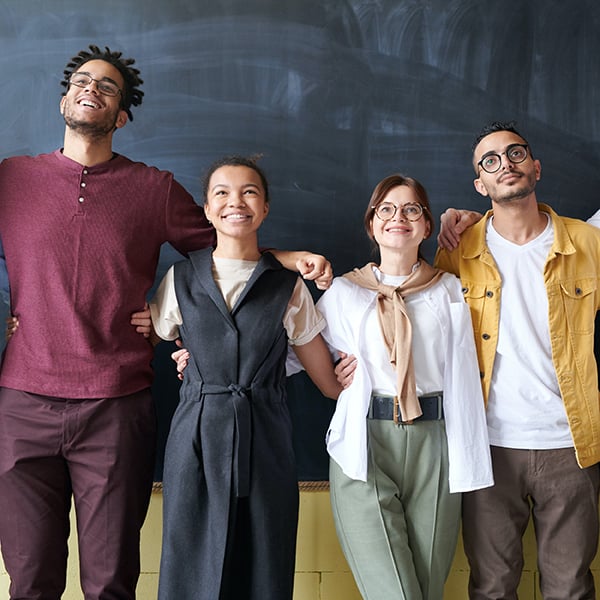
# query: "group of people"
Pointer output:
{"type": "Point", "coordinates": [468, 385]}
{"type": "Point", "coordinates": [81, 229]}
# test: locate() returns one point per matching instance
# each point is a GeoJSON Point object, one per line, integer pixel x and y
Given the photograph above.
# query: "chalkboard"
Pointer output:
{"type": "Point", "coordinates": [335, 94]}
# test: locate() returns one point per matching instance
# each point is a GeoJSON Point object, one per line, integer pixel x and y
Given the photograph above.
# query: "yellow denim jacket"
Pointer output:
{"type": "Point", "coordinates": [572, 280]}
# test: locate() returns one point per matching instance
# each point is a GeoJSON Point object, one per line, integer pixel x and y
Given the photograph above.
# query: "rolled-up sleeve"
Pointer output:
{"type": "Point", "coordinates": [164, 309]}
{"type": "Point", "coordinates": [302, 321]}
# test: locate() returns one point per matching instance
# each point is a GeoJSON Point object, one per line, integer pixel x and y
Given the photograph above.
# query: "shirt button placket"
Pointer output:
{"type": "Point", "coordinates": [82, 185]}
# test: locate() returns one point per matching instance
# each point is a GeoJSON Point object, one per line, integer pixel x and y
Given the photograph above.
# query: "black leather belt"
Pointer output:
{"type": "Point", "coordinates": [382, 407]}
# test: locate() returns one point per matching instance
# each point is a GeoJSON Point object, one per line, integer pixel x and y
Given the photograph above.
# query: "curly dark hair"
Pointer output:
{"type": "Point", "coordinates": [131, 95]}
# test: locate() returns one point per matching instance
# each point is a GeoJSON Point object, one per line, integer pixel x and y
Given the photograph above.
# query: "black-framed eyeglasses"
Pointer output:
{"type": "Point", "coordinates": [105, 87]}
{"type": "Point", "coordinates": [386, 211]}
{"type": "Point", "coordinates": [492, 161]}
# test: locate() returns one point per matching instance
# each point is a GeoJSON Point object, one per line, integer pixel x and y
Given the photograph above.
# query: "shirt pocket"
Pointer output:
{"type": "Point", "coordinates": [580, 304]}
{"type": "Point", "coordinates": [475, 295]}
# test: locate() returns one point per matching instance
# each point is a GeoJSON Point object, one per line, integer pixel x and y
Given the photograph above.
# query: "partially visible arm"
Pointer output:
{"type": "Point", "coordinates": [344, 369]}
{"type": "Point", "coordinates": [453, 223]}
{"type": "Point", "coordinates": [316, 360]}
{"type": "Point", "coordinates": [595, 219]}
{"type": "Point", "coordinates": [187, 228]}
{"type": "Point", "coordinates": [142, 322]}
{"type": "Point", "coordinates": [313, 267]}
{"type": "Point", "coordinates": [181, 358]}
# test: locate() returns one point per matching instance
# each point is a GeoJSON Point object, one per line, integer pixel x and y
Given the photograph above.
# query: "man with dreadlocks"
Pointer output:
{"type": "Point", "coordinates": [82, 228]}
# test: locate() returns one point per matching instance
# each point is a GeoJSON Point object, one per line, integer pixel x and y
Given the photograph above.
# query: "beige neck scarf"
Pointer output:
{"type": "Point", "coordinates": [396, 327]}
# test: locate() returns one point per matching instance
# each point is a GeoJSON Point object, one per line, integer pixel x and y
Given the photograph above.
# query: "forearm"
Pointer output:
{"type": "Point", "coordinates": [317, 362]}
{"type": "Point", "coordinates": [314, 267]}
{"type": "Point", "coordinates": [288, 258]}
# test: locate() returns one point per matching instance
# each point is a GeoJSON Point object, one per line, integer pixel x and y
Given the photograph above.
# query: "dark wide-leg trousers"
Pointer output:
{"type": "Point", "coordinates": [100, 452]}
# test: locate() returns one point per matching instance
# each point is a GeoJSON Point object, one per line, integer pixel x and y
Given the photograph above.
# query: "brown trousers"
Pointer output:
{"type": "Point", "coordinates": [562, 499]}
{"type": "Point", "coordinates": [101, 453]}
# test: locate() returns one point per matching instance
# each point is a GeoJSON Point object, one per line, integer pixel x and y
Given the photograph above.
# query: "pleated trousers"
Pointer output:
{"type": "Point", "coordinates": [398, 530]}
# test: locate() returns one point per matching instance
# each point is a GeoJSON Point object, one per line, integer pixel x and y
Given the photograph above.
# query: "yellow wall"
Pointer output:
{"type": "Point", "coordinates": [321, 570]}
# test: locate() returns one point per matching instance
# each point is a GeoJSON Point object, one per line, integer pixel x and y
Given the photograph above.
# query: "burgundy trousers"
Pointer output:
{"type": "Point", "coordinates": [100, 452]}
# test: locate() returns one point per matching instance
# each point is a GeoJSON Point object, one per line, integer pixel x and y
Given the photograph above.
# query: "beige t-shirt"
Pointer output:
{"type": "Point", "coordinates": [301, 320]}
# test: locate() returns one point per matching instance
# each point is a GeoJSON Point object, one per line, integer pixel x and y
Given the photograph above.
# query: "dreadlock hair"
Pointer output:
{"type": "Point", "coordinates": [131, 76]}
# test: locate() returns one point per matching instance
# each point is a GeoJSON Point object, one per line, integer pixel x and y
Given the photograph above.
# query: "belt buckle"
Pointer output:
{"type": "Point", "coordinates": [435, 409]}
{"type": "Point", "coordinates": [397, 420]}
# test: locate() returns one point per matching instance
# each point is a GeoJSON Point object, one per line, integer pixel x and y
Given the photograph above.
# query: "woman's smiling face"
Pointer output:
{"type": "Point", "coordinates": [235, 200]}
{"type": "Point", "coordinates": [399, 233]}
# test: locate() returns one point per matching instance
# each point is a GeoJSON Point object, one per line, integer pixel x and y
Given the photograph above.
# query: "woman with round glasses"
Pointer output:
{"type": "Point", "coordinates": [409, 432]}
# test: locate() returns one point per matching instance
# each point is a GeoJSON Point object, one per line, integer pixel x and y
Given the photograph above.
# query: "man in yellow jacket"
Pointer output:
{"type": "Point", "coordinates": [532, 281]}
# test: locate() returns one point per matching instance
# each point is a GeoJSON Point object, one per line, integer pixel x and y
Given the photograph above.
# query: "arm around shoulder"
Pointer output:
{"type": "Point", "coordinates": [313, 267]}
{"type": "Point", "coordinates": [453, 222]}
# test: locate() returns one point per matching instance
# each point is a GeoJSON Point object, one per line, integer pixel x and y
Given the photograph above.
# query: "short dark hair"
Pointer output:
{"type": "Point", "coordinates": [235, 160]}
{"type": "Point", "coordinates": [381, 191]}
{"type": "Point", "coordinates": [494, 127]}
{"type": "Point", "coordinates": [131, 95]}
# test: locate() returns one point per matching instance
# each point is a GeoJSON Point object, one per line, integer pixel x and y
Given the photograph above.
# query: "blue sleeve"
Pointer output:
{"type": "Point", "coordinates": [4, 288]}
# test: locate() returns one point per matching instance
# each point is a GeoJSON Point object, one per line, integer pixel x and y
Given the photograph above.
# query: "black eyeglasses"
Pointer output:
{"type": "Point", "coordinates": [492, 162]}
{"type": "Point", "coordinates": [107, 88]}
{"type": "Point", "coordinates": [386, 211]}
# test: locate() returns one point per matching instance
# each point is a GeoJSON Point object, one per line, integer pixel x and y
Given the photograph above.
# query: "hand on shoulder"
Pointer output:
{"type": "Point", "coordinates": [453, 223]}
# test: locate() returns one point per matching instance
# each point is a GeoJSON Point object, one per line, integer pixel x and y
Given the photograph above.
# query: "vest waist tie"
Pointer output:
{"type": "Point", "coordinates": [243, 429]}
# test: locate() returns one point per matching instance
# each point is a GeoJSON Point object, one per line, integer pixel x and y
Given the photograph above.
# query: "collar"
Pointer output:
{"type": "Point", "coordinates": [474, 243]}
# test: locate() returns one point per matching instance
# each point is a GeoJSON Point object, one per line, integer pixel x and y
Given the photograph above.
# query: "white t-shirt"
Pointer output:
{"type": "Point", "coordinates": [302, 321]}
{"type": "Point", "coordinates": [525, 409]}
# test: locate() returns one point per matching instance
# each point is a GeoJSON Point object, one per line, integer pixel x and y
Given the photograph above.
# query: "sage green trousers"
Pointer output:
{"type": "Point", "coordinates": [398, 530]}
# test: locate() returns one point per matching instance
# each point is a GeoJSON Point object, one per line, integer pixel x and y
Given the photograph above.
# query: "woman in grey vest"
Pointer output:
{"type": "Point", "coordinates": [230, 487]}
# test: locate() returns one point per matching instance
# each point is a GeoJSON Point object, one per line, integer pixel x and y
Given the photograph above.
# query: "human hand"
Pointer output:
{"type": "Point", "coordinates": [317, 268]}
{"type": "Point", "coordinates": [142, 322]}
{"type": "Point", "coordinates": [344, 369]}
{"type": "Point", "coordinates": [181, 357]}
{"type": "Point", "coordinates": [12, 324]}
{"type": "Point", "coordinates": [453, 222]}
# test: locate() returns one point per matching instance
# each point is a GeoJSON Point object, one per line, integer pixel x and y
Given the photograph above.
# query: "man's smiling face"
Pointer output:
{"type": "Point", "coordinates": [87, 110]}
